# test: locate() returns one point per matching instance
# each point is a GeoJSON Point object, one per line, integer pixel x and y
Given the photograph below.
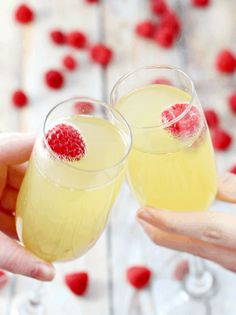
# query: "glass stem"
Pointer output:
{"type": "Point", "coordinates": [34, 305]}
{"type": "Point", "coordinates": [200, 282]}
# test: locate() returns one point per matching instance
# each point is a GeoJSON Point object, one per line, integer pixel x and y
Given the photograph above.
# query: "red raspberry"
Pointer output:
{"type": "Point", "coordinates": [58, 37]}
{"type": "Point", "coordinates": [24, 14]}
{"type": "Point", "coordinates": [221, 139]}
{"type": "Point", "coordinates": [232, 102]}
{"type": "Point", "coordinates": [233, 169]}
{"type": "Point", "coordinates": [200, 3]}
{"type": "Point", "coordinates": [212, 118]}
{"type": "Point", "coordinates": [159, 7]}
{"type": "Point", "coordinates": [77, 39]}
{"type": "Point", "coordinates": [92, 1]}
{"type": "Point", "coordinates": [187, 125]}
{"type": "Point", "coordinates": [69, 62]}
{"type": "Point", "coordinates": [77, 282]}
{"type": "Point", "coordinates": [101, 54]}
{"type": "Point", "coordinates": [139, 276]}
{"type": "Point", "coordinates": [161, 81]}
{"type": "Point", "coordinates": [66, 141]}
{"type": "Point", "coordinates": [164, 37]}
{"type": "Point", "coordinates": [19, 99]}
{"type": "Point", "coordinates": [225, 62]}
{"type": "Point", "coordinates": [181, 270]}
{"type": "Point", "coordinates": [145, 29]}
{"type": "Point", "coordinates": [171, 21]}
{"type": "Point", "coordinates": [54, 79]}
{"type": "Point", "coordinates": [85, 108]}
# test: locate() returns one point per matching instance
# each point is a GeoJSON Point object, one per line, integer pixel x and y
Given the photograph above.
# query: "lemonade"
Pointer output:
{"type": "Point", "coordinates": [63, 206]}
{"type": "Point", "coordinates": [165, 171]}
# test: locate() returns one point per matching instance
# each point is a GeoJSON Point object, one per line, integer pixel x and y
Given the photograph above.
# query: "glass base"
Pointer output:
{"type": "Point", "coordinates": [22, 306]}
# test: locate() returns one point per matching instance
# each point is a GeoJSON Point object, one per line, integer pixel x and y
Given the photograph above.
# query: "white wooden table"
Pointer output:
{"type": "Point", "coordinates": [123, 243]}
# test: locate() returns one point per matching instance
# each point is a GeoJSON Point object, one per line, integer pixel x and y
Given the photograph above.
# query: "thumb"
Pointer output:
{"type": "Point", "coordinates": [16, 259]}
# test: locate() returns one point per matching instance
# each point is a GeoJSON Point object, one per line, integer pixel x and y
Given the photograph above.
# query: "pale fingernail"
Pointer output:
{"type": "Point", "coordinates": [45, 272]}
{"type": "Point", "coordinates": [144, 214]}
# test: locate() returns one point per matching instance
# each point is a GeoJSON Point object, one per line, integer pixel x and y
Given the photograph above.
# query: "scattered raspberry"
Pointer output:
{"type": "Point", "coordinates": [19, 99]}
{"type": "Point", "coordinates": [225, 62]}
{"type": "Point", "coordinates": [77, 39]}
{"type": "Point", "coordinates": [77, 282]}
{"type": "Point", "coordinates": [139, 276]}
{"type": "Point", "coordinates": [164, 37]}
{"type": "Point", "coordinates": [161, 81]}
{"type": "Point", "coordinates": [145, 29]}
{"type": "Point", "coordinates": [233, 169]}
{"type": "Point", "coordinates": [69, 62]}
{"type": "Point", "coordinates": [187, 125]}
{"type": "Point", "coordinates": [181, 270]}
{"type": "Point", "coordinates": [85, 108]}
{"type": "Point", "coordinates": [212, 118]}
{"type": "Point", "coordinates": [54, 79]}
{"type": "Point", "coordinates": [92, 1]}
{"type": "Point", "coordinates": [58, 37]}
{"type": "Point", "coordinates": [232, 102]}
{"type": "Point", "coordinates": [66, 141]}
{"type": "Point", "coordinates": [171, 21]}
{"type": "Point", "coordinates": [24, 14]}
{"type": "Point", "coordinates": [159, 7]}
{"type": "Point", "coordinates": [200, 3]}
{"type": "Point", "coordinates": [3, 279]}
{"type": "Point", "coordinates": [221, 139]}
{"type": "Point", "coordinates": [101, 54]}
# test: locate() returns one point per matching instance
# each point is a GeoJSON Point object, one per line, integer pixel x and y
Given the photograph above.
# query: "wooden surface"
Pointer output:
{"type": "Point", "coordinates": [25, 54]}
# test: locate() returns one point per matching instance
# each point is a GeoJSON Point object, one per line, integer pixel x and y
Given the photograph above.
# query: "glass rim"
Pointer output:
{"type": "Point", "coordinates": [100, 103]}
{"type": "Point", "coordinates": [149, 67]}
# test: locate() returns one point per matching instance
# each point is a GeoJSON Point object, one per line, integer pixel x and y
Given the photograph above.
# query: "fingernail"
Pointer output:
{"type": "Point", "coordinates": [46, 272]}
{"type": "Point", "coordinates": [144, 214]}
{"type": "Point", "coordinates": [144, 224]}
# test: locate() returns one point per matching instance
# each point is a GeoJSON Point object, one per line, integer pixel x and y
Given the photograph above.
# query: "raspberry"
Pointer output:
{"type": "Point", "coordinates": [54, 79]}
{"type": "Point", "coordinates": [139, 276]}
{"type": "Point", "coordinates": [171, 21]}
{"type": "Point", "coordinates": [77, 39]}
{"type": "Point", "coordinates": [164, 37]}
{"type": "Point", "coordinates": [66, 141]}
{"type": "Point", "coordinates": [19, 99]}
{"type": "Point", "coordinates": [158, 7]}
{"type": "Point", "coordinates": [161, 81]}
{"type": "Point", "coordinates": [233, 169]}
{"type": "Point", "coordinates": [187, 125]}
{"type": "Point", "coordinates": [232, 102]}
{"type": "Point", "coordinates": [58, 37]}
{"type": "Point", "coordinates": [211, 118]}
{"type": "Point", "coordinates": [181, 270]}
{"type": "Point", "coordinates": [145, 29]}
{"type": "Point", "coordinates": [69, 62]}
{"type": "Point", "coordinates": [101, 54]}
{"type": "Point", "coordinates": [85, 108]}
{"type": "Point", "coordinates": [221, 139]}
{"type": "Point", "coordinates": [200, 3]}
{"type": "Point", "coordinates": [225, 62]}
{"type": "Point", "coordinates": [92, 1]}
{"type": "Point", "coordinates": [77, 282]}
{"type": "Point", "coordinates": [24, 14]}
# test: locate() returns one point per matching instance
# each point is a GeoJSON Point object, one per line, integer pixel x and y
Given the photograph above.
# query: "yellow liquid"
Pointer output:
{"type": "Point", "coordinates": [165, 171]}
{"type": "Point", "coordinates": [61, 209]}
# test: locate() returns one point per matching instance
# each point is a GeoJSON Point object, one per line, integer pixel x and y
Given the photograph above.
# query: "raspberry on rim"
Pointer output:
{"type": "Point", "coordinates": [187, 125]}
{"type": "Point", "coordinates": [66, 141]}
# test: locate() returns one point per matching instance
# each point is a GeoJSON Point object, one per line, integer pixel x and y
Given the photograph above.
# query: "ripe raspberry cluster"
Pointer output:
{"type": "Point", "coordinates": [226, 62]}
{"type": "Point", "coordinates": [164, 29]}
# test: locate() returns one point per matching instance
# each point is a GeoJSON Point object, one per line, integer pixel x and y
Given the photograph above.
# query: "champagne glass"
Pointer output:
{"type": "Point", "coordinates": [171, 165]}
{"type": "Point", "coordinates": [66, 196]}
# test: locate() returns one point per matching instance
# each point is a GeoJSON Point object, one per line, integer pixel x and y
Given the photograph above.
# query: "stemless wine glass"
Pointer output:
{"type": "Point", "coordinates": [63, 204]}
{"type": "Point", "coordinates": [171, 165]}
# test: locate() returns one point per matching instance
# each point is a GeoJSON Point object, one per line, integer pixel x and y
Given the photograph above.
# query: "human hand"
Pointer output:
{"type": "Point", "coordinates": [210, 235]}
{"type": "Point", "coordinates": [15, 150]}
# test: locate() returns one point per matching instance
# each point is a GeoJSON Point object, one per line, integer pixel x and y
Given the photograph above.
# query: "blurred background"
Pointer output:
{"type": "Point", "coordinates": [43, 61]}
